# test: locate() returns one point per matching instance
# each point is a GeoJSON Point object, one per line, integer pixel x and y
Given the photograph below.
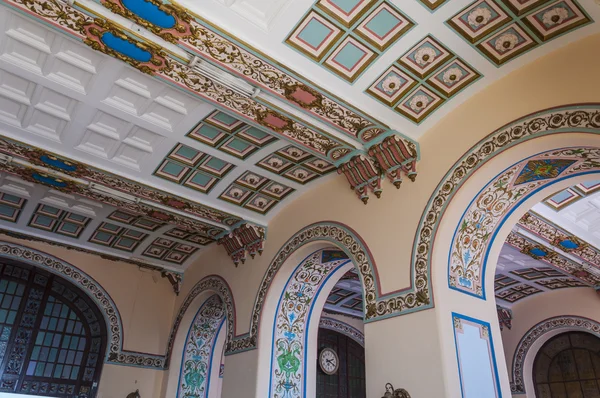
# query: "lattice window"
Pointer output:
{"type": "Point", "coordinates": [349, 381]}
{"type": "Point", "coordinates": [568, 365]}
{"type": "Point", "coordinates": [52, 337]}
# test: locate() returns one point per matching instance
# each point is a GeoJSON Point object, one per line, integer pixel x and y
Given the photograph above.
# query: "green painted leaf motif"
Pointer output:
{"type": "Point", "coordinates": [288, 362]}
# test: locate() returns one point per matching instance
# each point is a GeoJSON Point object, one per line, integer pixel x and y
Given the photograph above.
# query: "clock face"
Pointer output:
{"type": "Point", "coordinates": [328, 360]}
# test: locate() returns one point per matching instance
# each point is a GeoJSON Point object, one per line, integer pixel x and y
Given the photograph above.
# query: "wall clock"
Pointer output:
{"type": "Point", "coordinates": [329, 361]}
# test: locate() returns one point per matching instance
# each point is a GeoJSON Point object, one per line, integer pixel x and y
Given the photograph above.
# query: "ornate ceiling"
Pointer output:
{"type": "Point", "coordinates": [555, 245]}
{"type": "Point", "coordinates": [145, 130]}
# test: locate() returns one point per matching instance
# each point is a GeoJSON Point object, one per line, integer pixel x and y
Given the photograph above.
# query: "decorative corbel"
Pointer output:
{"type": "Point", "coordinates": [247, 238]}
{"type": "Point", "coordinates": [174, 278]}
{"type": "Point", "coordinates": [396, 156]}
{"type": "Point", "coordinates": [235, 248]}
{"type": "Point", "coordinates": [505, 317]}
{"type": "Point", "coordinates": [363, 174]}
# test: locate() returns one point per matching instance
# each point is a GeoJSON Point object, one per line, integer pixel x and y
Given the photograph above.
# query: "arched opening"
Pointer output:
{"type": "Point", "coordinates": [203, 350]}
{"type": "Point", "coordinates": [298, 365]}
{"type": "Point", "coordinates": [202, 330]}
{"type": "Point", "coordinates": [471, 214]}
{"type": "Point", "coordinates": [52, 336]}
{"type": "Point", "coordinates": [568, 365]}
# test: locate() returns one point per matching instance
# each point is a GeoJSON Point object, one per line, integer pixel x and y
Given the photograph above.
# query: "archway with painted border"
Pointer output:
{"type": "Point", "coordinates": [115, 353]}
{"type": "Point", "coordinates": [295, 304]}
{"type": "Point", "coordinates": [532, 341]}
{"type": "Point", "coordinates": [376, 304]}
{"type": "Point", "coordinates": [199, 294]}
{"type": "Point", "coordinates": [481, 197]}
{"type": "Point", "coordinates": [583, 118]}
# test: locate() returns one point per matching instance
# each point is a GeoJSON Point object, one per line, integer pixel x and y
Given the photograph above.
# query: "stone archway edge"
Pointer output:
{"type": "Point", "coordinates": [571, 322]}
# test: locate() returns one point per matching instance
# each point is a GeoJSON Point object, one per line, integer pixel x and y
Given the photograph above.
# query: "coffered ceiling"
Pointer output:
{"type": "Point", "coordinates": [145, 129]}
{"type": "Point", "coordinates": [407, 63]}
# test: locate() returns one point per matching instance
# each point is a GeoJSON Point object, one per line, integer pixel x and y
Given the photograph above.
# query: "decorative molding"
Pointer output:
{"type": "Point", "coordinates": [115, 355]}
{"type": "Point", "coordinates": [582, 272]}
{"type": "Point", "coordinates": [396, 156]}
{"type": "Point", "coordinates": [294, 312]}
{"type": "Point", "coordinates": [559, 238]}
{"type": "Point", "coordinates": [568, 322]}
{"type": "Point", "coordinates": [210, 43]}
{"type": "Point", "coordinates": [487, 211]}
{"type": "Point", "coordinates": [247, 238]}
{"type": "Point", "coordinates": [218, 285]}
{"type": "Point", "coordinates": [88, 181]}
{"type": "Point", "coordinates": [196, 364]}
{"type": "Point", "coordinates": [505, 317]}
{"type": "Point", "coordinates": [582, 118]}
{"type": "Point", "coordinates": [343, 328]}
{"type": "Point", "coordinates": [377, 305]}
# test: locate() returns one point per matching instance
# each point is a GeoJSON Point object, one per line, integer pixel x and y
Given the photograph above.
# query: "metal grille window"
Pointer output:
{"type": "Point", "coordinates": [52, 336]}
{"type": "Point", "coordinates": [568, 366]}
{"type": "Point", "coordinates": [349, 381]}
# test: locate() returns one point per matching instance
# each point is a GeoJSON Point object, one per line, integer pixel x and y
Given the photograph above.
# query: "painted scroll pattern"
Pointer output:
{"type": "Point", "coordinates": [291, 322]}
{"type": "Point", "coordinates": [504, 193]}
{"type": "Point", "coordinates": [195, 367]}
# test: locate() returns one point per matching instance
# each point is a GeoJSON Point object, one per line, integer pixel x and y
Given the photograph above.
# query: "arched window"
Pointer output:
{"type": "Point", "coordinates": [568, 365]}
{"type": "Point", "coordinates": [349, 380]}
{"type": "Point", "coordinates": [52, 336]}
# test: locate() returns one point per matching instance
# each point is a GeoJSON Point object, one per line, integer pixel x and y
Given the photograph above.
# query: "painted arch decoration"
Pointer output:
{"type": "Point", "coordinates": [488, 210]}
{"type": "Point", "coordinates": [582, 118]}
{"type": "Point", "coordinates": [199, 349]}
{"type": "Point", "coordinates": [115, 355]}
{"type": "Point", "coordinates": [566, 322]}
{"type": "Point", "coordinates": [292, 319]}
{"type": "Point", "coordinates": [211, 283]}
{"type": "Point", "coordinates": [377, 305]}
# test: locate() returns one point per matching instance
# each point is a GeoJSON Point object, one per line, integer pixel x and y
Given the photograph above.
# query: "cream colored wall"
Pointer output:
{"type": "Point", "coordinates": [388, 224]}
{"type": "Point", "coordinates": [145, 302]}
{"type": "Point", "coordinates": [529, 312]}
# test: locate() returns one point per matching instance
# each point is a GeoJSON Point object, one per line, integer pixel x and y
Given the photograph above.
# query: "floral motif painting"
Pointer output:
{"type": "Point", "coordinates": [194, 380]}
{"type": "Point", "coordinates": [291, 321]}
{"type": "Point", "coordinates": [500, 197]}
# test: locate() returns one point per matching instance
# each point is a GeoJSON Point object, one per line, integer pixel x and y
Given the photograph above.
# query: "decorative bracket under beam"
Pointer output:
{"type": "Point", "coordinates": [363, 174]}
{"type": "Point", "coordinates": [505, 317]}
{"type": "Point", "coordinates": [394, 157]}
{"type": "Point", "coordinates": [245, 239]}
{"type": "Point", "coordinates": [176, 279]}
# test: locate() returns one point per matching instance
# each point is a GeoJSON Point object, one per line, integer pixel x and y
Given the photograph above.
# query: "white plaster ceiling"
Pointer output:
{"type": "Point", "coordinates": [265, 24]}
{"type": "Point", "coordinates": [346, 297]}
{"type": "Point", "coordinates": [59, 95]}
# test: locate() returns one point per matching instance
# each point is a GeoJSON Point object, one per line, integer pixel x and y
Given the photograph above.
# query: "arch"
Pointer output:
{"type": "Point", "coordinates": [376, 305]}
{"type": "Point", "coordinates": [553, 325]}
{"type": "Point", "coordinates": [580, 117]}
{"type": "Point", "coordinates": [217, 285]}
{"type": "Point", "coordinates": [489, 209]}
{"type": "Point", "coordinates": [115, 354]}
{"type": "Point", "coordinates": [343, 328]}
{"type": "Point", "coordinates": [195, 372]}
{"type": "Point", "coordinates": [291, 343]}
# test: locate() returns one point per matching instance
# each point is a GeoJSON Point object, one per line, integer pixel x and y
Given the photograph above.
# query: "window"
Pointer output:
{"type": "Point", "coordinates": [52, 336]}
{"type": "Point", "coordinates": [568, 366]}
{"type": "Point", "coordinates": [349, 380]}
